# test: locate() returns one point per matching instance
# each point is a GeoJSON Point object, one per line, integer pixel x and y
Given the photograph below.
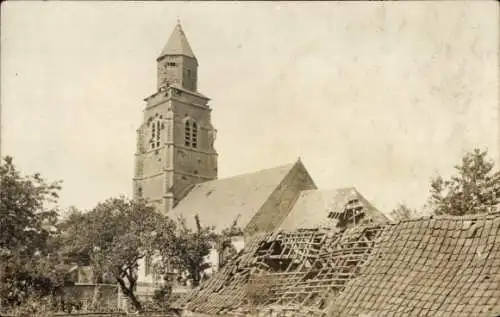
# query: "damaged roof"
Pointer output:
{"type": "Point", "coordinates": [327, 204]}
{"type": "Point", "coordinates": [444, 266]}
{"type": "Point", "coordinates": [448, 266]}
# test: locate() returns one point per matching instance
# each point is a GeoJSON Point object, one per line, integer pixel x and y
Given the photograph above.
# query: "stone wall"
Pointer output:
{"type": "Point", "coordinates": [89, 296]}
{"type": "Point", "coordinates": [281, 201]}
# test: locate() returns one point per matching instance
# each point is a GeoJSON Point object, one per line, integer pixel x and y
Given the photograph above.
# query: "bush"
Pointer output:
{"type": "Point", "coordinates": [40, 307]}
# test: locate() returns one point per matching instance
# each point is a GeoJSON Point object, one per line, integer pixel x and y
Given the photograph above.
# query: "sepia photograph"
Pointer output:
{"type": "Point", "coordinates": [250, 159]}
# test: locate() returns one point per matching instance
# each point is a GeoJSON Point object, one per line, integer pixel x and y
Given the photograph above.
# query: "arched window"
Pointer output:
{"type": "Point", "coordinates": [194, 135]}
{"type": "Point", "coordinates": [190, 134]}
{"type": "Point", "coordinates": [155, 134]}
{"type": "Point", "coordinates": [187, 134]}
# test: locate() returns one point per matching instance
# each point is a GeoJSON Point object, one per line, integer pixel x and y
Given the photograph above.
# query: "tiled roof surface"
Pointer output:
{"type": "Point", "coordinates": [323, 202]}
{"type": "Point", "coordinates": [178, 44]}
{"type": "Point", "coordinates": [220, 202]}
{"type": "Point", "coordinates": [299, 268]}
{"type": "Point", "coordinates": [446, 266]}
{"type": "Point", "coordinates": [437, 267]}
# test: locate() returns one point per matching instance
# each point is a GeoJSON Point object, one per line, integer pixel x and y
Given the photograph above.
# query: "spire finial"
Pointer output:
{"type": "Point", "coordinates": [178, 21]}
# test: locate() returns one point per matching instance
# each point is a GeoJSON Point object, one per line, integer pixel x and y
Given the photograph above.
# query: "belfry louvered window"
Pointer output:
{"type": "Point", "coordinates": [194, 135]}
{"type": "Point", "coordinates": [190, 134]}
{"type": "Point", "coordinates": [187, 134]}
{"type": "Point", "coordinates": [155, 134]}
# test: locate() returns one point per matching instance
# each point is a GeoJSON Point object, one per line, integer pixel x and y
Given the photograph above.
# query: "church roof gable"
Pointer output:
{"type": "Point", "coordinates": [315, 208]}
{"type": "Point", "coordinates": [220, 202]}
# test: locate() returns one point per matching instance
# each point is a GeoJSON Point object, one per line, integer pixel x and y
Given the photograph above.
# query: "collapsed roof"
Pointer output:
{"type": "Point", "coordinates": [442, 266]}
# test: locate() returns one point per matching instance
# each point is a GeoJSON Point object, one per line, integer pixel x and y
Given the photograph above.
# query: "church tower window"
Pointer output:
{"type": "Point", "coordinates": [190, 134]}
{"type": "Point", "coordinates": [187, 134]}
{"type": "Point", "coordinates": [155, 134]}
{"type": "Point", "coordinates": [194, 133]}
{"type": "Point", "coordinates": [176, 126]}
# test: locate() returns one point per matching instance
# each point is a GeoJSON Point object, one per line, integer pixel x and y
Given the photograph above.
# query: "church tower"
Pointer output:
{"type": "Point", "coordinates": [175, 142]}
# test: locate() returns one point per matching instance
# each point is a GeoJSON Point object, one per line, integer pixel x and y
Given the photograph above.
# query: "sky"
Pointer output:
{"type": "Point", "coordinates": [380, 96]}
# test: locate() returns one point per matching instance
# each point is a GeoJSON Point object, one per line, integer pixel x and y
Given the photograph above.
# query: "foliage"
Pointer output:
{"type": "Point", "coordinates": [70, 229]}
{"type": "Point", "coordinates": [40, 307]}
{"type": "Point", "coordinates": [114, 236]}
{"type": "Point", "coordinates": [225, 245]}
{"type": "Point", "coordinates": [402, 212]}
{"type": "Point", "coordinates": [190, 248]}
{"type": "Point", "coordinates": [28, 252]}
{"type": "Point", "coordinates": [475, 187]}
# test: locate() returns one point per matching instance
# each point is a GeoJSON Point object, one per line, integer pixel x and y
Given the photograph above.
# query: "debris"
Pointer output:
{"type": "Point", "coordinates": [420, 267]}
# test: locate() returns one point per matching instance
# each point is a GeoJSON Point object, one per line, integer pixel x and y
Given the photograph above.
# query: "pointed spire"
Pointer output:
{"type": "Point", "coordinates": [177, 43]}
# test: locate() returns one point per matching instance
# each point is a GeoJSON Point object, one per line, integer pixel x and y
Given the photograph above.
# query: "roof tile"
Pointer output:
{"type": "Point", "coordinates": [178, 44]}
{"type": "Point", "coordinates": [220, 202]}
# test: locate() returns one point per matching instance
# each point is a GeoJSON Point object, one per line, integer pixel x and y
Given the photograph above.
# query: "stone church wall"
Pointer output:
{"type": "Point", "coordinates": [153, 162]}
{"type": "Point", "coordinates": [152, 187]}
{"type": "Point", "coordinates": [281, 201]}
{"type": "Point", "coordinates": [201, 117]}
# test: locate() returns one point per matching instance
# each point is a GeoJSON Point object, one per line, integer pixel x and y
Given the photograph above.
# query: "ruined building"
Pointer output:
{"type": "Point", "coordinates": [444, 266]}
{"type": "Point", "coordinates": [176, 169]}
{"type": "Point", "coordinates": [303, 251]}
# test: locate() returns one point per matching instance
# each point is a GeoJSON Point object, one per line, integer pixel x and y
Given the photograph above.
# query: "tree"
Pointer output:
{"type": "Point", "coordinates": [28, 255]}
{"type": "Point", "coordinates": [114, 236]}
{"type": "Point", "coordinates": [190, 249]}
{"type": "Point", "coordinates": [475, 188]}
{"type": "Point", "coordinates": [70, 234]}
{"type": "Point", "coordinates": [402, 212]}
{"type": "Point", "coordinates": [225, 246]}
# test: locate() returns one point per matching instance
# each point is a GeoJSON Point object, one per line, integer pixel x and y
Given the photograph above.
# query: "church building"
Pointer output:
{"type": "Point", "coordinates": [175, 143]}
{"type": "Point", "coordinates": [176, 168]}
